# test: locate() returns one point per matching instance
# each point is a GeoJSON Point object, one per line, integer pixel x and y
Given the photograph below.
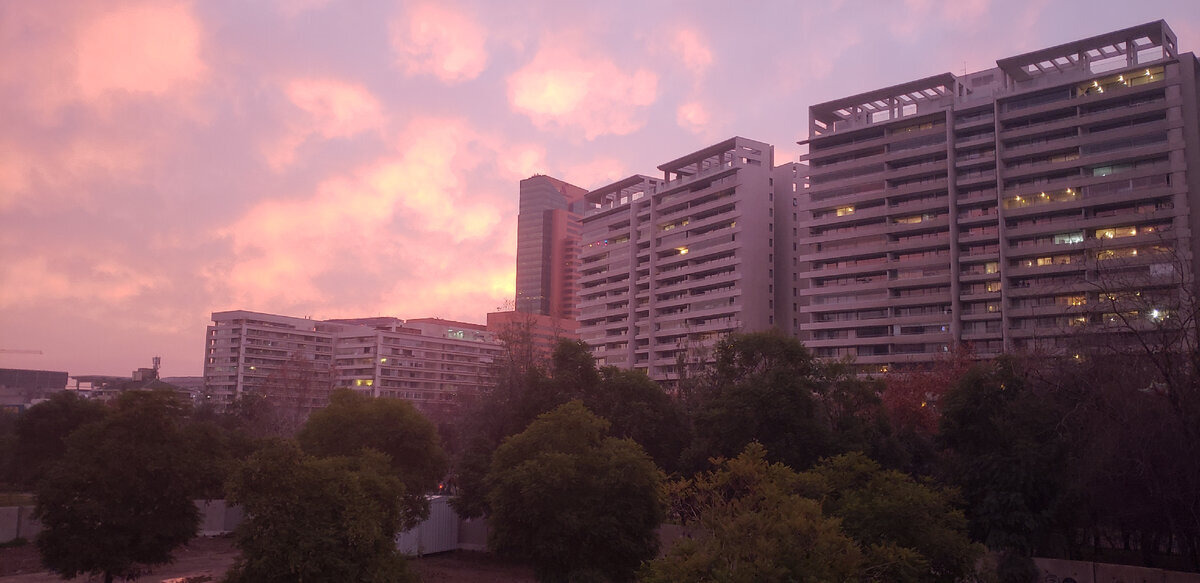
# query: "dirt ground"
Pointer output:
{"type": "Point", "coordinates": [206, 559]}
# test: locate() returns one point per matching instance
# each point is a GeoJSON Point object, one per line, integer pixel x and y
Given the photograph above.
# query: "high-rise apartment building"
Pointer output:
{"type": "Point", "coordinates": [670, 265]}
{"type": "Point", "coordinates": [431, 362]}
{"type": "Point", "coordinates": [1010, 208]}
{"type": "Point", "coordinates": [548, 247]}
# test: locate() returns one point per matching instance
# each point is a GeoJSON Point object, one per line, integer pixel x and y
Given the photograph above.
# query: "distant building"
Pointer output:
{"type": "Point", "coordinates": [430, 362]}
{"type": "Point", "coordinates": [548, 247]}
{"type": "Point", "coordinates": [20, 388]}
{"type": "Point", "coordinates": [542, 332]}
{"type": "Point", "coordinates": [670, 265]}
{"type": "Point", "coordinates": [1009, 208]}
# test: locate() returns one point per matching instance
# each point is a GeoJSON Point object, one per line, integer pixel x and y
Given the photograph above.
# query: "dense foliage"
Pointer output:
{"type": "Point", "coordinates": [768, 388]}
{"type": "Point", "coordinates": [317, 519]}
{"type": "Point", "coordinates": [578, 504]}
{"type": "Point", "coordinates": [353, 423]}
{"type": "Point", "coordinates": [635, 407]}
{"type": "Point", "coordinates": [120, 496]}
{"type": "Point", "coordinates": [845, 520]}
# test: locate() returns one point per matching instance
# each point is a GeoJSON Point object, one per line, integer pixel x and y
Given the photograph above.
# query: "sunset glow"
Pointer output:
{"type": "Point", "coordinates": [163, 160]}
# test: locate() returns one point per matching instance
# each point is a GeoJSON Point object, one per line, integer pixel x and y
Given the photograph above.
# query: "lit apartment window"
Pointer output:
{"type": "Point", "coordinates": [1068, 238]}
{"type": "Point", "coordinates": [1116, 232]}
{"type": "Point", "coordinates": [844, 210]}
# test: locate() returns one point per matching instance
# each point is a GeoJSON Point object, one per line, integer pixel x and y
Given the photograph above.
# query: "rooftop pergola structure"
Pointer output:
{"type": "Point", "coordinates": [881, 104]}
{"type": "Point", "coordinates": [1101, 52]}
{"type": "Point", "coordinates": [1153, 41]}
{"type": "Point", "coordinates": [620, 192]}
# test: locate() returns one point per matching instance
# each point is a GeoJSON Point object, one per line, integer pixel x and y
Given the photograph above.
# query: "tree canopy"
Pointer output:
{"type": "Point", "coordinates": [754, 526]}
{"type": "Point", "coordinates": [120, 497]}
{"type": "Point", "coordinates": [845, 520]}
{"type": "Point", "coordinates": [317, 519]}
{"type": "Point", "coordinates": [767, 388]}
{"type": "Point", "coordinates": [635, 407]}
{"type": "Point", "coordinates": [578, 504]}
{"type": "Point", "coordinates": [353, 422]}
{"type": "Point", "coordinates": [42, 431]}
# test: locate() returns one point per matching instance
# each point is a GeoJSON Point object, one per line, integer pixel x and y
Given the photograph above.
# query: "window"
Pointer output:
{"type": "Point", "coordinates": [1068, 238]}
{"type": "Point", "coordinates": [1116, 232]}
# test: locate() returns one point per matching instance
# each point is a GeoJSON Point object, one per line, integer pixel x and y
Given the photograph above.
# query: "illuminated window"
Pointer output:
{"type": "Point", "coordinates": [844, 210]}
{"type": "Point", "coordinates": [1068, 238]}
{"type": "Point", "coordinates": [992, 286]}
{"type": "Point", "coordinates": [991, 267]}
{"type": "Point", "coordinates": [909, 220]}
{"type": "Point", "coordinates": [1116, 232]}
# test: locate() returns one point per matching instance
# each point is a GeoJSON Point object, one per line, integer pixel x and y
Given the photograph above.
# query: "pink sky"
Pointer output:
{"type": "Point", "coordinates": [163, 160]}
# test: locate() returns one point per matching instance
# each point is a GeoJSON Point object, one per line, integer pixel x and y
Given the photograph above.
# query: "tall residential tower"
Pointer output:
{"type": "Point", "coordinates": [670, 265]}
{"type": "Point", "coordinates": [1010, 208]}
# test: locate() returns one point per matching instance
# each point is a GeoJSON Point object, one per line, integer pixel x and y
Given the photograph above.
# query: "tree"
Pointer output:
{"type": "Point", "coordinates": [767, 387]}
{"type": "Point", "coordinates": [42, 431]}
{"type": "Point", "coordinates": [577, 504]}
{"type": "Point", "coordinates": [294, 390]}
{"type": "Point", "coordinates": [641, 410]}
{"type": "Point", "coordinates": [353, 422]}
{"type": "Point", "coordinates": [314, 519]}
{"type": "Point", "coordinates": [121, 495]}
{"type": "Point", "coordinates": [762, 388]}
{"type": "Point", "coordinates": [755, 525]}
{"type": "Point", "coordinates": [910, 531]}
{"type": "Point", "coordinates": [635, 406]}
{"type": "Point", "coordinates": [912, 400]}
{"type": "Point", "coordinates": [1004, 451]}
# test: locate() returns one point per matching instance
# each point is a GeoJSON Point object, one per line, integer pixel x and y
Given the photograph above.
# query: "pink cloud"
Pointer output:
{"type": "Point", "coordinates": [694, 117]}
{"type": "Point", "coordinates": [45, 180]}
{"type": "Point", "coordinates": [563, 88]}
{"type": "Point", "coordinates": [330, 109]}
{"type": "Point", "coordinates": [435, 39]}
{"type": "Point", "coordinates": [283, 247]}
{"type": "Point", "coordinates": [143, 48]}
{"type": "Point", "coordinates": [691, 49]}
{"type": "Point", "coordinates": [30, 280]}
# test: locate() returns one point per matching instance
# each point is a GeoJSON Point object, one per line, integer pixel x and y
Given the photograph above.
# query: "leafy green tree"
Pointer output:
{"type": "Point", "coordinates": [42, 431]}
{"type": "Point", "coordinates": [639, 409]}
{"type": "Point", "coordinates": [635, 405]}
{"type": "Point", "coordinates": [754, 524]}
{"type": "Point", "coordinates": [120, 497]}
{"type": "Point", "coordinates": [577, 504]}
{"type": "Point", "coordinates": [1004, 452]}
{"type": "Point", "coordinates": [767, 387]}
{"type": "Point", "coordinates": [910, 531]}
{"type": "Point", "coordinates": [354, 422]}
{"type": "Point", "coordinates": [317, 519]}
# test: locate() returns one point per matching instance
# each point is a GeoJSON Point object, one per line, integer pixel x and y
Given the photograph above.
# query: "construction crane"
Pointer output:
{"type": "Point", "coordinates": [18, 351]}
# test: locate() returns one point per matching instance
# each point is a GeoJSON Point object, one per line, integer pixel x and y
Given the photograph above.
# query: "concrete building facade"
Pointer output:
{"type": "Point", "coordinates": [670, 265]}
{"type": "Point", "coordinates": [431, 362]}
{"type": "Point", "coordinates": [1008, 208]}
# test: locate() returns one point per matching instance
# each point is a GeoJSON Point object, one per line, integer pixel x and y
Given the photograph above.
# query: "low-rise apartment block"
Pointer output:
{"type": "Point", "coordinates": [431, 362]}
